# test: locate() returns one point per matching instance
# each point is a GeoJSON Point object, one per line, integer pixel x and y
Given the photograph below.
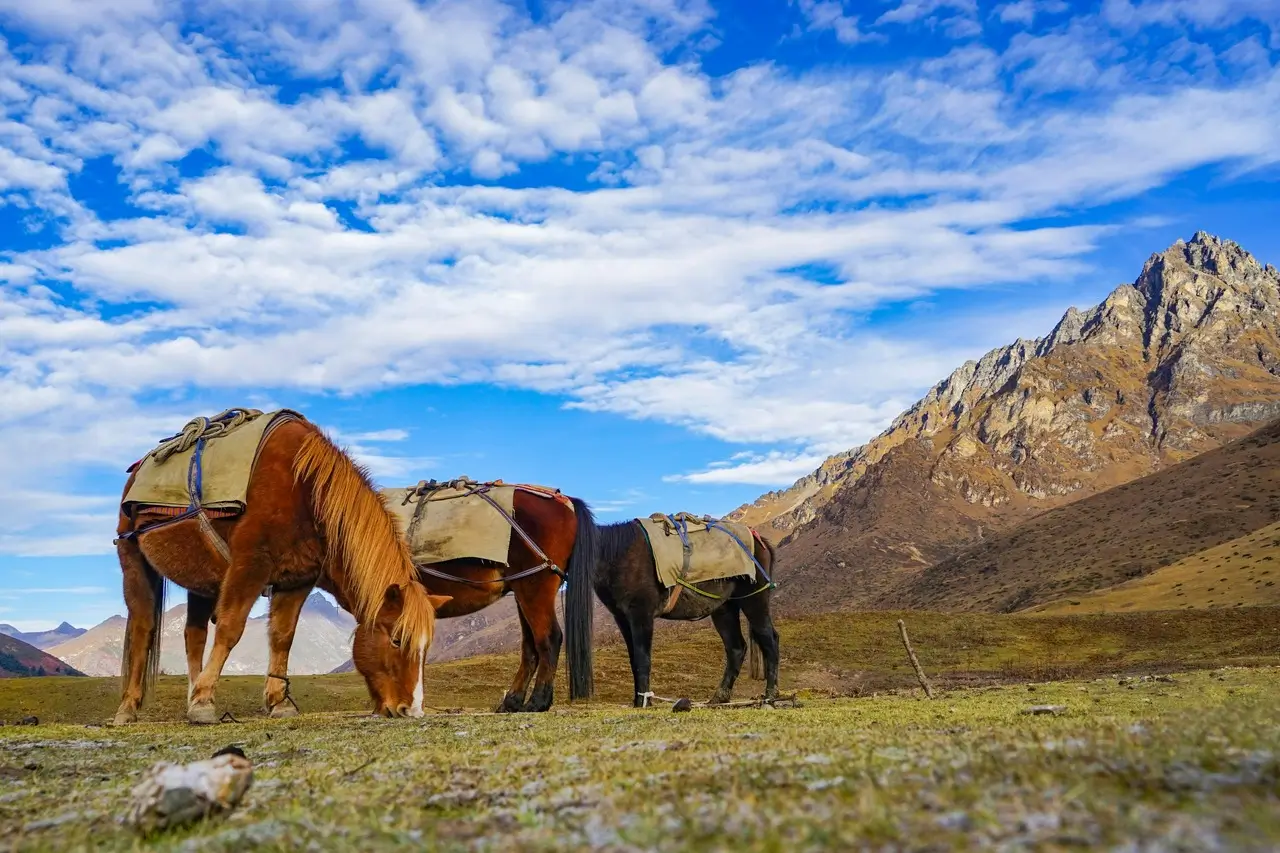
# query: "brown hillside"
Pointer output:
{"type": "Point", "coordinates": [1244, 572]}
{"type": "Point", "coordinates": [1124, 533]}
{"type": "Point", "coordinates": [1179, 362]}
{"type": "Point", "coordinates": [21, 660]}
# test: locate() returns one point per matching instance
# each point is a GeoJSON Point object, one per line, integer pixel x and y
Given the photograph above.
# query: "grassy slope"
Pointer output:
{"type": "Point", "coordinates": [833, 654]}
{"type": "Point", "coordinates": [1190, 764]}
{"type": "Point", "coordinates": [1113, 537]}
{"type": "Point", "coordinates": [1244, 572]}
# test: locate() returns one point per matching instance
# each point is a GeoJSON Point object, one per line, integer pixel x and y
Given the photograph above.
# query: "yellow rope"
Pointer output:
{"type": "Point", "coordinates": [198, 428]}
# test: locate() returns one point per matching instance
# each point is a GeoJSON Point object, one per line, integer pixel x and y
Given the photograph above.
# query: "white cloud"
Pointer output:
{"type": "Point", "coordinates": [1026, 12]}
{"type": "Point", "coordinates": [64, 590]}
{"type": "Point", "coordinates": [381, 435]}
{"type": "Point", "coordinates": [720, 276]}
{"type": "Point", "coordinates": [830, 15]}
{"type": "Point", "coordinates": [772, 469]}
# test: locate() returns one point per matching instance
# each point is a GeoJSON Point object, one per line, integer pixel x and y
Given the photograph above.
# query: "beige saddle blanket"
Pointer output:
{"type": "Point", "coordinates": [711, 554]}
{"type": "Point", "coordinates": [164, 477]}
{"type": "Point", "coordinates": [446, 521]}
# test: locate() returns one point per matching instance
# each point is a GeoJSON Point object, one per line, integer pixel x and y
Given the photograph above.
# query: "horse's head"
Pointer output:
{"type": "Point", "coordinates": [392, 670]}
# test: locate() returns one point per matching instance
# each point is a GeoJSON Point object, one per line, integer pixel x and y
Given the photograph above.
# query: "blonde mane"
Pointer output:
{"type": "Point", "coordinates": [365, 536]}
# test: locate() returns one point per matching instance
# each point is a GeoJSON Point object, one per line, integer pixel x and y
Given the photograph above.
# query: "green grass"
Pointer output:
{"type": "Point", "coordinates": [1184, 764]}
{"type": "Point", "coordinates": [1188, 764]}
{"type": "Point", "coordinates": [834, 655]}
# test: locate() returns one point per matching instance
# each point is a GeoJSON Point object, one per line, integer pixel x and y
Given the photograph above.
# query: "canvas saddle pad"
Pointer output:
{"type": "Point", "coordinates": [448, 521]}
{"type": "Point", "coordinates": [231, 442]}
{"type": "Point", "coordinates": [711, 554]}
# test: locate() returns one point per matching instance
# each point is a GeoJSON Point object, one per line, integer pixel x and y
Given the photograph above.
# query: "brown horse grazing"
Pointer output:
{"type": "Point", "coordinates": [566, 537]}
{"type": "Point", "coordinates": [310, 513]}
{"type": "Point", "coordinates": [626, 582]}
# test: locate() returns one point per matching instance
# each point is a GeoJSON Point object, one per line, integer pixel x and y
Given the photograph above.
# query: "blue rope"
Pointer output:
{"type": "Point", "coordinates": [749, 551]}
{"type": "Point", "coordinates": [195, 475]}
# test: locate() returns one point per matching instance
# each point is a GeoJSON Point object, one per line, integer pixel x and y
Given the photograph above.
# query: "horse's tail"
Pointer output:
{"type": "Point", "coordinates": [155, 581]}
{"type": "Point", "coordinates": [579, 608]}
{"type": "Point", "coordinates": [755, 658]}
{"type": "Point", "coordinates": [365, 536]}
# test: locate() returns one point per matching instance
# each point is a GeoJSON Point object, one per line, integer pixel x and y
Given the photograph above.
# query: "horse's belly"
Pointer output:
{"type": "Point", "coordinates": [690, 605]}
{"type": "Point", "coordinates": [467, 598]}
{"type": "Point", "coordinates": [183, 553]}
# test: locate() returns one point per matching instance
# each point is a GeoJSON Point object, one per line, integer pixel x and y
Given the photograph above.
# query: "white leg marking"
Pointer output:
{"type": "Point", "coordinates": [416, 710]}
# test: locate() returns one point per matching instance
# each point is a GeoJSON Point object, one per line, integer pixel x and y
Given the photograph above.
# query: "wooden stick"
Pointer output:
{"type": "Point", "coordinates": [924, 682]}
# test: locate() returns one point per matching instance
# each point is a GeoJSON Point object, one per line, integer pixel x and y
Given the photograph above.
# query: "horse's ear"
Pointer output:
{"type": "Point", "coordinates": [438, 601]}
{"type": "Point", "coordinates": [393, 593]}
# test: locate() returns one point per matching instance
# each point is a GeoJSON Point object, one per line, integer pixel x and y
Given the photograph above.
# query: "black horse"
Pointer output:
{"type": "Point", "coordinates": [626, 582]}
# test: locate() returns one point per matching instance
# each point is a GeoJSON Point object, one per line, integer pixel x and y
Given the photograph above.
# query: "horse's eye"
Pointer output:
{"type": "Point", "coordinates": [395, 644]}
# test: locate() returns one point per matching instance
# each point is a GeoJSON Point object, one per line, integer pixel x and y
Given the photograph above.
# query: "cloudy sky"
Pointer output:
{"type": "Point", "coordinates": [663, 254]}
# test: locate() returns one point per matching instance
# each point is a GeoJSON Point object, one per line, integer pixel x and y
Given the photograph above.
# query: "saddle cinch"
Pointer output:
{"type": "Point", "coordinates": [199, 474]}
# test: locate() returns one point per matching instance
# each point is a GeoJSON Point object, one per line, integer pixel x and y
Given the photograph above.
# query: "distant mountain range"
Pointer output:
{"type": "Point", "coordinates": [43, 639]}
{"type": "Point", "coordinates": [322, 642]}
{"type": "Point", "coordinates": [20, 660]}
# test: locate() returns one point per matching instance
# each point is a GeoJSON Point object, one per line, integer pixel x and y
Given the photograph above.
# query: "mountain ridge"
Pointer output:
{"type": "Point", "coordinates": [43, 640]}
{"type": "Point", "coordinates": [23, 660]}
{"type": "Point", "coordinates": [1183, 359]}
{"type": "Point", "coordinates": [322, 641]}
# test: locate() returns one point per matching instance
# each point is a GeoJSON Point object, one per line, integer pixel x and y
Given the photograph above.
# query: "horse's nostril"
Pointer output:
{"type": "Point", "coordinates": [402, 711]}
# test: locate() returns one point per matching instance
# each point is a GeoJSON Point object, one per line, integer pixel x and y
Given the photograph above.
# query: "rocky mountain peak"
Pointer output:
{"type": "Point", "coordinates": [1179, 360]}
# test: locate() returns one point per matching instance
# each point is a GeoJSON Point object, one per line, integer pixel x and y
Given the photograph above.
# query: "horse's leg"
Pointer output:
{"type": "Point", "coordinates": [285, 607]}
{"type": "Point", "coordinates": [760, 623]}
{"type": "Point", "coordinates": [144, 598]}
{"type": "Point", "coordinates": [547, 639]}
{"type": "Point", "coordinates": [240, 589]}
{"type": "Point", "coordinates": [514, 700]}
{"type": "Point", "coordinates": [735, 649]}
{"type": "Point", "coordinates": [640, 649]}
{"type": "Point", "coordinates": [196, 636]}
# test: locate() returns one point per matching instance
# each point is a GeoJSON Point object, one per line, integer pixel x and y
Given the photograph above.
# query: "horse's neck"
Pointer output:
{"type": "Point", "coordinates": [333, 582]}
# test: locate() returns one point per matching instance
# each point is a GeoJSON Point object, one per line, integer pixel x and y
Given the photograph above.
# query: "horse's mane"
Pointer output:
{"type": "Point", "coordinates": [615, 539]}
{"type": "Point", "coordinates": [365, 536]}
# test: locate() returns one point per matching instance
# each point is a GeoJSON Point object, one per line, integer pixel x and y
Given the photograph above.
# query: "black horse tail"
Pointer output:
{"type": "Point", "coordinates": [579, 606]}
{"type": "Point", "coordinates": [755, 658]}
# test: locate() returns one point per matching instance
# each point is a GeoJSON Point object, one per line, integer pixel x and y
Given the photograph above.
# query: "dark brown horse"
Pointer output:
{"type": "Point", "coordinates": [626, 582]}
{"type": "Point", "coordinates": [564, 534]}
{"type": "Point", "coordinates": [311, 513]}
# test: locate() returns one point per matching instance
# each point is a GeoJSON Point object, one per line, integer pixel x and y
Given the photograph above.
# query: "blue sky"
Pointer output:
{"type": "Point", "coordinates": [660, 254]}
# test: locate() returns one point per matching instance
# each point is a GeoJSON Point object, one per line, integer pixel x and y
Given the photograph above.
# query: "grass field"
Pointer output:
{"type": "Point", "coordinates": [1186, 764]}
{"type": "Point", "coordinates": [1189, 761]}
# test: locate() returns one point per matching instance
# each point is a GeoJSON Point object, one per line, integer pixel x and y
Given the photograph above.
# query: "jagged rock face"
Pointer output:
{"type": "Point", "coordinates": [1183, 360]}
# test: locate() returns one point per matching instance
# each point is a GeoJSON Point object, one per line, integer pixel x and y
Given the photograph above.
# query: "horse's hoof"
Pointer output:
{"type": "Point", "coordinates": [720, 698]}
{"type": "Point", "coordinates": [510, 704]}
{"type": "Point", "coordinates": [283, 712]}
{"type": "Point", "coordinates": [125, 718]}
{"type": "Point", "coordinates": [202, 714]}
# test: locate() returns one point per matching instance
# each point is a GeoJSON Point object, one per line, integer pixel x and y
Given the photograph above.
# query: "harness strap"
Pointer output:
{"type": "Point", "coordinates": [436, 573]}
{"type": "Point", "coordinates": [680, 524]}
{"type": "Point", "coordinates": [423, 491]}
